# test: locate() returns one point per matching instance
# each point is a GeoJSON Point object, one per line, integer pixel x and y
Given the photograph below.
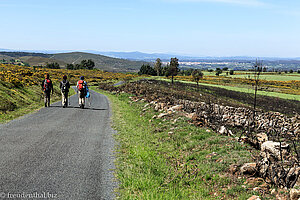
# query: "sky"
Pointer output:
{"type": "Point", "coordinates": [260, 28]}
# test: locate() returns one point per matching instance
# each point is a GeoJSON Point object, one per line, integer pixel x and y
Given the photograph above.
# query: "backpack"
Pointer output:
{"type": "Point", "coordinates": [47, 85]}
{"type": "Point", "coordinates": [64, 87]}
{"type": "Point", "coordinates": [81, 86]}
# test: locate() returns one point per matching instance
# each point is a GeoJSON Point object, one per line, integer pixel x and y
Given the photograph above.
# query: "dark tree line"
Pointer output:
{"type": "Point", "coordinates": [171, 69]}
{"type": "Point", "coordinates": [148, 70]}
{"type": "Point", "coordinates": [186, 72]}
{"type": "Point", "coordinates": [84, 64]}
{"type": "Point", "coordinates": [52, 65]}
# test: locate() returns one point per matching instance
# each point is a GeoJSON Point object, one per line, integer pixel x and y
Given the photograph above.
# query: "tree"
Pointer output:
{"type": "Point", "coordinates": [218, 71]}
{"type": "Point", "coordinates": [77, 66]}
{"type": "Point", "coordinates": [147, 69]}
{"type": "Point", "coordinates": [231, 72]}
{"type": "Point", "coordinates": [257, 71]}
{"type": "Point", "coordinates": [90, 64]}
{"type": "Point", "coordinates": [84, 64]}
{"type": "Point", "coordinates": [185, 72]}
{"type": "Point", "coordinates": [143, 70]}
{"type": "Point", "coordinates": [225, 68]}
{"type": "Point", "coordinates": [173, 69]}
{"type": "Point", "coordinates": [165, 70]}
{"type": "Point", "coordinates": [265, 69]}
{"type": "Point", "coordinates": [53, 65]}
{"type": "Point", "coordinates": [197, 75]}
{"type": "Point", "coordinates": [157, 67]}
{"type": "Point", "coordinates": [70, 66]}
{"type": "Point", "coordinates": [291, 71]}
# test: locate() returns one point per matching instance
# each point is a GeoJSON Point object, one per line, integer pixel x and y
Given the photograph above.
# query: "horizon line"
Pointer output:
{"type": "Point", "coordinates": [166, 53]}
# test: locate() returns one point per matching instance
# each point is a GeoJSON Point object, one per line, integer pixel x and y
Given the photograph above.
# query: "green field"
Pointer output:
{"type": "Point", "coordinates": [268, 77]}
{"type": "Point", "coordinates": [274, 77]}
{"type": "Point", "coordinates": [242, 89]}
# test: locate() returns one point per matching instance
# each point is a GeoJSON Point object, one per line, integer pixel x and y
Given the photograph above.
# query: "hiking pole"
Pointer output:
{"type": "Point", "coordinates": [69, 99]}
{"type": "Point", "coordinates": [42, 96]}
{"type": "Point", "coordinates": [90, 100]}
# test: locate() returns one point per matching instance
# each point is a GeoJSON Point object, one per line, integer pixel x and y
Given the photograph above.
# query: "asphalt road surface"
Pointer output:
{"type": "Point", "coordinates": [59, 153]}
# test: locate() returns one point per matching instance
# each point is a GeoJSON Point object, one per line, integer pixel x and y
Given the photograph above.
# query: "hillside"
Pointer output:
{"type": "Point", "coordinates": [101, 62]}
{"type": "Point", "coordinates": [36, 60]}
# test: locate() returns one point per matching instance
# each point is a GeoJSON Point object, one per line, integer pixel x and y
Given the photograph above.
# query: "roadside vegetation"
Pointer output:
{"type": "Point", "coordinates": [168, 158]}
{"type": "Point", "coordinates": [17, 101]}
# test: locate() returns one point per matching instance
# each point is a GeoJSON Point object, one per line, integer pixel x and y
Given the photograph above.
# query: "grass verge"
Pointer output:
{"type": "Point", "coordinates": [172, 159]}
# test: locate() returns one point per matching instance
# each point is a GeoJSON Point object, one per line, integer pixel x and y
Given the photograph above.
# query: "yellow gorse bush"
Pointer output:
{"type": "Point", "coordinates": [26, 76]}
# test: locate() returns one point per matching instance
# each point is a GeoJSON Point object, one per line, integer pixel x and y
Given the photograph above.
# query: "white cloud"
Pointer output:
{"type": "Point", "coordinates": [238, 2]}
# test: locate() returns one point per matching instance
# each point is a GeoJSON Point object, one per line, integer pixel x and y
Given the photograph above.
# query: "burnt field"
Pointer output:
{"type": "Point", "coordinates": [162, 89]}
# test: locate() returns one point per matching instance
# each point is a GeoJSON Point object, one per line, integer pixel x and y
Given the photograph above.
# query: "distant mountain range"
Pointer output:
{"type": "Point", "coordinates": [139, 56]}
{"type": "Point", "coordinates": [136, 55]}
{"type": "Point", "coordinates": [151, 57]}
{"type": "Point", "coordinates": [166, 57]}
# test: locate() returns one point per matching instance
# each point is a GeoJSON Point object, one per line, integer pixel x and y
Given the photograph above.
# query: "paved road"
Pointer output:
{"type": "Point", "coordinates": [61, 152]}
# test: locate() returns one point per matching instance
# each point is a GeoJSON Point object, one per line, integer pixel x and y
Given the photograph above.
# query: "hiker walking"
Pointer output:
{"type": "Point", "coordinates": [81, 89]}
{"type": "Point", "coordinates": [64, 88]}
{"type": "Point", "coordinates": [47, 87]}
